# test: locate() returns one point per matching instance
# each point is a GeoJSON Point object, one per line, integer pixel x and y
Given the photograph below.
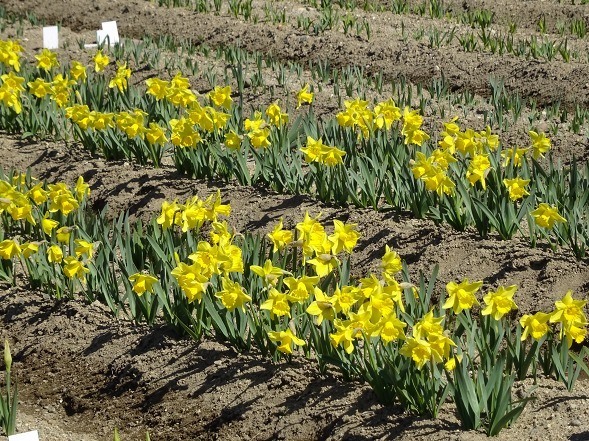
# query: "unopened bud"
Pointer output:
{"type": "Point", "coordinates": [7, 356]}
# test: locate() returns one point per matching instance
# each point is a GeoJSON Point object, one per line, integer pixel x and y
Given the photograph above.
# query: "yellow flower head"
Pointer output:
{"type": "Point", "coordinates": [420, 351]}
{"type": "Point", "coordinates": [477, 170]}
{"type": "Point", "coordinates": [156, 134]}
{"type": "Point", "coordinates": [428, 325]}
{"type": "Point", "coordinates": [386, 113]}
{"type": "Point", "coordinates": [516, 188]}
{"type": "Point", "coordinates": [74, 268]}
{"type": "Point", "coordinates": [233, 295]}
{"type": "Point", "coordinates": [516, 154]}
{"type": "Point", "coordinates": [47, 60]}
{"type": "Point", "coordinates": [569, 310]}
{"type": "Point", "coordinates": [120, 80]}
{"type": "Point", "coordinates": [100, 61]}
{"type": "Point", "coordinates": [191, 280]}
{"type": "Point", "coordinates": [300, 289]}
{"type": "Point", "coordinates": [286, 339]}
{"type": "Point", "coordinates": [534, 325]}
{"type": "Point", "coordinates": [221, 97]}
{"type": "Point", "coordinates": [78, 71]}
{"type": "Point", "coordinates": [54, 254]}
{"type": "Point", "coordinates": [344, 237]}
{"type": "Point", "coordinates": [392, 329]}
{"type": "Point", "coordinates": [280, 238]}
{"type": "Point", "coordinates": [461, 295]}
{"type": "Point", "coordinates": [277, 303]}
{"type": "Point", "coordinates": [275, 115]}
{"type": "Point", "coordinates": [259, 138]}
{"type": "Point", "coordinates": [391, 262]}
{"type": "Point", "coordinates": [39, 87]}
{"type": "Point", "coordinates": [84, 247]}
{"type": "Point", "coordinates": [540, 144]}
{"type": "Point", "coordinates": [322, 307]}
{"type": "Point", "coordinates": [233, 141]}
{"type": "Point", "coordinates": [500, 302]}
{"type": "Point", "coordinates": [546, 216]}
{"type": "Point", "coordinates": [9, 248]}
{"type": "Point", "coordinates": [304, 96]}
{"type": "Point", "coordinates": [269, 273]}
{"type": "Point", "coordinates": [142, 283]}
{"type": "Point", "coordinates": [157, 88]}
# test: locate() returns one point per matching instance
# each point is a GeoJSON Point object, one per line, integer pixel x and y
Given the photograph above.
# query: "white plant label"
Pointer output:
{"type": "Point", "coordinates": [27, 436]}
{"type": "Point", "coordinates": [50, 37]}
{"type": "Point", "coordinates": [110, 27]}
{"type": "Point", "coordinates": [101, 36]}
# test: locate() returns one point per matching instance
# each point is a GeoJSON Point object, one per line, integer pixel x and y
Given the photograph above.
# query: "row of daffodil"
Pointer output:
{"type": "Point", "coordinates": [362, 156]}
{"type": "Point", "coordinates": [292, 289]}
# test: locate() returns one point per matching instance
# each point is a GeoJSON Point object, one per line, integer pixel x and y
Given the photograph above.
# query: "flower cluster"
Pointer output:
{"type": "Point", "coordinates": [46, 207]}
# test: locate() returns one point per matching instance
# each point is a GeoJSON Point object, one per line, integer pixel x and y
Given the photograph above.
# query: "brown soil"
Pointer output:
{"type": "Point", "coordinates": [81, 373]}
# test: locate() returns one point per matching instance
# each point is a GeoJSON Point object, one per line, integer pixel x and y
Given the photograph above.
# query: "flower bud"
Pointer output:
{"type": "Point", "coordinates": [7, 356]}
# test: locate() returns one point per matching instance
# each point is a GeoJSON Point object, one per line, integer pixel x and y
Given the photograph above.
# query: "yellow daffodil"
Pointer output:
{"type": "Point", "coordinates": [221, 96]}
{"type": "Point", "coordinates": [391, 262]}
{"type": "Point", "coordinates": [344, 237]}
{"type": "Point", "coordinates": [30, 248]}
{"type": "Point", "coordinates": [170, 215]}
{"type": "Point", "coordinates": [461, 295]}
{"type": "Point", "coordinates": [74, 268]}
{"type": "Point", "coordinates": [535, 325]}
{"type": "Point", "coordinates": [269, 273]}
{"type": "Point", "coordinates": [233, 141]}
{"type": "Point", "coordinates": [78, 71]}
{"type": "Point", "coordinates": [300, 289]}
{"type": "Point", "coordinates": [39, 87]}
{"type": "Point", "coordinates": [142, 283]}
{"type": "Point", "coordinates": [280, 238]}
{"type": "Point", "coordinates": [477, 170]}
{"type": "Point", "coordinates": [9, 248]}
{"type": "Point", "coordinates": [322, 307]}
{"type": "Point", "coordinates": [100, 61]}
{"type": "Point", "coordinates": [84, 247]}
{"type": "Point", "coordinates": [304, 96]}
{"type": "Point", "coordinates": [546, 216]}
{"type": "Point", "coordinates": [569, 310]}
{"type": "Point", "coordinates": [63, 234]}
{"type": "Point", "coordinates": [233, 295]}
{"type": "Point", "coordinates": [391, 329]}
{"type": "Point", "coordinates": [516, 188]}
{"type": "Point", "coordinates": [540, 144]}
{"type": "Point", "coordinates": [191, 280]}
{"type": "Point", "coordinates": [277, 303]}
{"type": "Point", "coordinates": [286, 339]}
{"type": "Point", "coordinates": [275, 115]}
{"type": "Point", "coordinates": [157, 88]}
{"type": "Point", "coordinates": [47, 60]}
{"type": "Point", "coordinates": [259, 138]}
{"type": "Point", "coordinates": [516, 154]}
{"type": "Point", "coordinates": [54, 254]}
{"type": "Point", "coordinates": [386, 113]}
{"type": "Point", "coordinates": [500, 302]}
{"type": "Point", "coordinates": [420, 351]}
{"type": "Point", "coordinates": [428, 325]}
{"type": "Point", "coordinates": [156, 134]}
{"type": "Point", "coordinates": [183, 133]}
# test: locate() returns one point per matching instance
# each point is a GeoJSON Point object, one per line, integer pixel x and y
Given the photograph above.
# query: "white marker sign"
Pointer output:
{"type": "Point", "coordinates": [28, 436]}
{"type": "Point", "coordinates": [101, 36]}
{"type": "Point", "coordinates": [50, 37]}
{"type": "Point", "coordinates": [110, 27]}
